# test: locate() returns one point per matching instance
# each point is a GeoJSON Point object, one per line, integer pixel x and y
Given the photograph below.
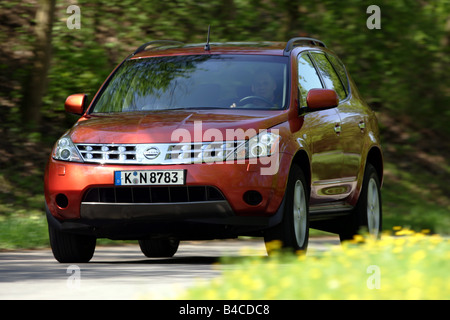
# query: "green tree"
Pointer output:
{"type": "Point", "coordinates": [37, 82]}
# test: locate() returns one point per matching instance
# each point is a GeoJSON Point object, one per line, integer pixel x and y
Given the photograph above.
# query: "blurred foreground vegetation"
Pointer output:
{"type": "Point", "coordinates": [401, 69]}
{"type": "Point", "coordinates": [402, 266]}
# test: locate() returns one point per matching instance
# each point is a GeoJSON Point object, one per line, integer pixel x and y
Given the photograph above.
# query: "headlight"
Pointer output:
{"type": "Point", "coordinates": [211, 153]}
{"type": "Point", "coordinates": [65, 150]}
{"type": "Point", "coordinates": [262, 145]}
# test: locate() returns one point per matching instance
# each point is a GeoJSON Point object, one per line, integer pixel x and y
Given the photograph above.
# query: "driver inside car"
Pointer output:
{"type": "Point", "coordinates": [263, 95]}
{"type": "Point", "coordinates": [264, 86]}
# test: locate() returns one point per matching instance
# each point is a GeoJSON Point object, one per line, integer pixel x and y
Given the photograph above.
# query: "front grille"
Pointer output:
{"type": "Point", "coordinates": [161, 153]}
{"type": "Point", "coordinates": [107, 153]}
{"type": "Point", "coordinates": [201, 151]}
{"type": "Point", "coordinates": [159, 194]}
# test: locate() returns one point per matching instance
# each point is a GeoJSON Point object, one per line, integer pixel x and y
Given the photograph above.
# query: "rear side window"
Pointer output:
{"type": "Point", "coordinates": [307, 77]}
{"type": "Point", "coordinates": [329, 76]}
{"type": "Point", "coordinates": [340, 70]}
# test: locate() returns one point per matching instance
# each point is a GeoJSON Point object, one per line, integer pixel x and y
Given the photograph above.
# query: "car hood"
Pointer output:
{"type": "Point", "coordinates": [174, 126]}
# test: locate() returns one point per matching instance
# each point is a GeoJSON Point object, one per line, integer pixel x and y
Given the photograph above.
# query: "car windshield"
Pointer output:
{"type": "Point", "coordinates": [197, 81]}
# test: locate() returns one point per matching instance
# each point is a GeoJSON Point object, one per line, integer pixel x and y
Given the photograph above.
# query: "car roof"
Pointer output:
{"type": "Point", "coordinates": [170, 47]}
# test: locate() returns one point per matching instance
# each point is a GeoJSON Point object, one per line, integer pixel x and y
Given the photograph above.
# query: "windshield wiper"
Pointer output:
{"type": "Point", "coordinates": [196, 108]}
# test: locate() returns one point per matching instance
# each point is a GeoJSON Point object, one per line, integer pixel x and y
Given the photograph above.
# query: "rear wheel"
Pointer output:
{"type": "Point", "coordinates": [367, 215]}
{"type": "Point", "coordinates": [159, 247]}
{"type": "Point", "coordinates": [293, 231]}
{"type": "Point", "coordinates": [71, 248]}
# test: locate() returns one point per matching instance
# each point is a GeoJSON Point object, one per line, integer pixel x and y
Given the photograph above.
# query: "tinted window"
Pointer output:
{"type": "Point", "coordinates": [307, 77]}
{"type": "Point", "coordinates": [340, 69]}
{"type": "Point", "coordinates": [202, 81]}
{"type": "Point", "coordinates": [328, 74]}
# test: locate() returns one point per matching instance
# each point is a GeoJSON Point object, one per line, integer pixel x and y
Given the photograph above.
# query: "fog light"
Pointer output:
{"type": "Point", "coordinates": [62, 201]}
{"type": "Point", "coordinates": [252, 197]}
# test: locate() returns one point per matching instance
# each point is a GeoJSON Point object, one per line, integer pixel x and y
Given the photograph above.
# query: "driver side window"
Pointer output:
{"type": "Point", "coordinates": [307, 77]}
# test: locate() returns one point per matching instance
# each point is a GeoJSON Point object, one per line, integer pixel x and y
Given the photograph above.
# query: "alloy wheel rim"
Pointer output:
{"type": "Point", "coordinates": [373, 208]}
{"type": "Point", "coordinates": [299, 212]}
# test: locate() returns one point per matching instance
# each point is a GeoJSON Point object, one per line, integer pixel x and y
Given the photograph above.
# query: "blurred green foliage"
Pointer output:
{"type": "Point", "coordinates": [402, 67]}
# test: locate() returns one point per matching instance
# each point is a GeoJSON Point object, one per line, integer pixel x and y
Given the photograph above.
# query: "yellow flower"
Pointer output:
{"type": "Point", "coordinates": [436, 239]}
{"type": "Point", "coordinates": [211, 294]}
{"type": "Point", "coordinates": [397, 249]}
{"type": "Point", "coordinates": [232, 294]}
{"type": "Point", "coordinates": [315, 273]}
{"type": "Point", "coordinates": [285, 282]}
{"type": "Point", "coordinates": [404, 232]}
{"type": "Point", "coordinates": [357, 238]}
{"type": "Point", "coordinates": [333, 284]}
{"type": "Point", "coordinates": [418, 255]}
{"type": "Point", "coordinates": [414, 293]}
{"type": "Point", "coordinates": [400, 242]}
{"type": "Point", "coordinates": [274, 245]}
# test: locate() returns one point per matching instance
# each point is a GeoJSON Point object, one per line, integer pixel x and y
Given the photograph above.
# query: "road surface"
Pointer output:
{"type": "Point", "coordinates": [123, 272]}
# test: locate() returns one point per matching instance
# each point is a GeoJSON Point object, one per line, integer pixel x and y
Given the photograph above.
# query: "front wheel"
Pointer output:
{"type": "Point", "coordinates": [159, 247]}
{"type": "Point", "coordinates": [293, 231]}
{"type": "Point", "coordinates": [367, 215]}
{"type": "Point", "coordinates": [71, 248]}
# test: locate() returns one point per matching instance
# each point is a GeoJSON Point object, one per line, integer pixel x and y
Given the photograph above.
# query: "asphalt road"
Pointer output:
{"type": "Point", "coordinates": [123, 272]}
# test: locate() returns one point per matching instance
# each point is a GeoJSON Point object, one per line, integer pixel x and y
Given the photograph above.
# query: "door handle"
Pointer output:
{"type": "Point", "coordinates": [337, 128]}
{"type": "Point", "coordinates": [362, 125]}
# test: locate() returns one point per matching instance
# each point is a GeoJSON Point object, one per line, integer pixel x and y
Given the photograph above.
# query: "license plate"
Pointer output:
{"type": "Point", "coordinates": [149, 177]}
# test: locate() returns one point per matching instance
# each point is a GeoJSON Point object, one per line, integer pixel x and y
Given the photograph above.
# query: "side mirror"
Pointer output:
{"type": "Point", "coordinates": [320, 99]}
{"type": "Point", "coordinates": [76, 103]}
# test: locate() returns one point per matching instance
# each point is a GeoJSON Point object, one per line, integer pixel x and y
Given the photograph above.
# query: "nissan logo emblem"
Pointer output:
{"type": "Point", "coordinates": [151, 153]}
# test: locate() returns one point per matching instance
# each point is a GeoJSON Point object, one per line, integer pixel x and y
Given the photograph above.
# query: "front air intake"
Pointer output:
{"type": "Point", "coordinates": [159, 194]}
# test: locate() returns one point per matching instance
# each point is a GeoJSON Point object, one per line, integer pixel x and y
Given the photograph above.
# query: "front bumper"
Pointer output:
{"type": "Point", "coordinates": [191, 210]}
{"type": "Point", "coordinates": [71, 181]}
{"type": "Point", "coordinates": [194, 228]}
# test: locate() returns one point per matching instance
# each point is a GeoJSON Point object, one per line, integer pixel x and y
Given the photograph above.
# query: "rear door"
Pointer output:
{"type": "Point", "coordinates": [354, 121]}
{"type": "Point", "coordinates": [350, 116]}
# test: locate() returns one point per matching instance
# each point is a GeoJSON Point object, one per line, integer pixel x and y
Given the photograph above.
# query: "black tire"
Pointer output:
{"type": "Point", "coordinates": [159, 247]}
{"type": "Point", "coordinates": [366, 217]}
{"type": "Point", "coordinates": [71, 248]}
{"type": "Point", "coordinates": [293, 231]}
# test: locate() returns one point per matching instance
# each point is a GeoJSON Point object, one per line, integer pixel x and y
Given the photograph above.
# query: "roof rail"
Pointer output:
{"type": "Point", "coordinates": [291, 43]}
{"type": "Point", "coordinates": [157, 44]}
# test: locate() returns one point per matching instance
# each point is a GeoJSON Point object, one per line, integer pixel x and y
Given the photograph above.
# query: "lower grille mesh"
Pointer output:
{"type": "Point", "coordinates": [157, 194]}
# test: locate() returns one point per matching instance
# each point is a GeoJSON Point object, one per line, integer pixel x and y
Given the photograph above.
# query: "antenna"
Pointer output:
{"type": "Point", "coordinates": [207, 46]}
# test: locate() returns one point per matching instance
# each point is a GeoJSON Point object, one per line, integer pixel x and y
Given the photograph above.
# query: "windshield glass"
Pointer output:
{"type": "Point", "coordinates": [192, 82]}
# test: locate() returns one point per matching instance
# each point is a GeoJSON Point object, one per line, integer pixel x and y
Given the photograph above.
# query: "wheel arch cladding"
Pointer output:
{"type": "Point", "coordinates": [302, 160]}
{"type": "Point", "coordinates": [375, 158]}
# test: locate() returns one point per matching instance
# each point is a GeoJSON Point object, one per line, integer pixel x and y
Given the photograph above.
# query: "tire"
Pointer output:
{"type": "Point", "coordinates": [293, 231]}
{"type": "Point", "coordinates": [71, 248]}
{"type": "Point", "coordinates": [159, 247]}
{"type": "Point", "coordinates": [367, 215]}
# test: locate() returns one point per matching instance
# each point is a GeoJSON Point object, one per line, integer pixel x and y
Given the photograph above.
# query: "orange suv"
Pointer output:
{"type": "Point", "coordinates": [190, 142]}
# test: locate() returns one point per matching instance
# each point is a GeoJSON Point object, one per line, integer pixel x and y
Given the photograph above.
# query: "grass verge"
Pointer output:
{"type": "Point", "coordinates": [18, 231]}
